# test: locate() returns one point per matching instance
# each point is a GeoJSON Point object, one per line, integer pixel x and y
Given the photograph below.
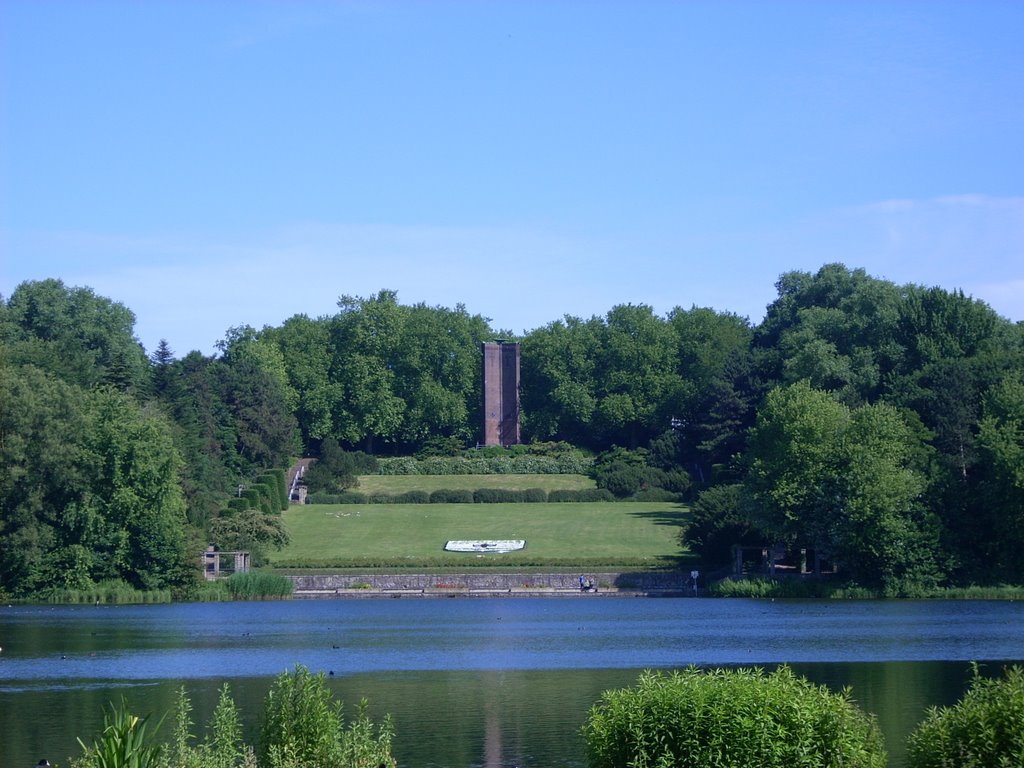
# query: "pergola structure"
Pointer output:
{"type": "Point", "coordinates": [219, 565]}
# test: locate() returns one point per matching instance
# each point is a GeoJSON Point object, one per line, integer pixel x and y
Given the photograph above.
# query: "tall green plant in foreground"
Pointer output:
{"type": "Point", "coordinates": [223, 746]}
{"type": "Point", "coordinates": [739, 718]}
{"type": "Point", "coordinates": [303, 726]}
{"type": "Point", "coordinates": [985, 729]}
{"type": "Point", "coordinates": [122, 743]}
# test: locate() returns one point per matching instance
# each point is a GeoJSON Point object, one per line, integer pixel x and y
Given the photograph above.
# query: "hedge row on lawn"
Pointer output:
{"type": "Point", "coordinates": [567, 464]}
{"type": "Point", "coordinates": [466, 496]}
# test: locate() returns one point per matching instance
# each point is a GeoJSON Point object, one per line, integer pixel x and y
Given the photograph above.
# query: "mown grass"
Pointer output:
{"type": "Point", "coordinates": [612, 534]}
{"type": "Point", "coordinates": [396, 484]}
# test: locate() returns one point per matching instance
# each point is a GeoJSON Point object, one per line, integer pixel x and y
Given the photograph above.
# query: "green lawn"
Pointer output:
{"type": "Point", "coordinates": [396, 484]}
{"type": "Point", "coordinates": [612, 534]}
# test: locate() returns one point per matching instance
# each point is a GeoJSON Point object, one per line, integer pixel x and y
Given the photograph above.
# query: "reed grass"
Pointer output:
{"type": "Point", "coordinates": [109, 592]}
{"type": "Point", "coordinates": [812, 588]}
{"type": "Point", "coordinates": [258, 585]}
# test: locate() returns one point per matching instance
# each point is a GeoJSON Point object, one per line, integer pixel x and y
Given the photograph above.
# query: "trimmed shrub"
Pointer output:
{"type": "Point", "coordinates": [451, 496]}
{"type": "Point", "coordinates": [412, 497]}
{"type": "Point", "coordinates": [279, 481]}
{"type": "Point", "coordinates": [239, 504]}
{"type": "Point", "coordinates": [985, 729]}
{"type": "Point", "coordinates": [740, 718]}
{"type": "Point", "coordinates": [581, 495]}
{"type": "Point", "coordinates": [346, 497]}
{"type": "Point", "coordinates": [534, 496]}
{"type": "Point", "coordinates": [496, 496]}
{"type": "Point", "coordinates": [409, 497]}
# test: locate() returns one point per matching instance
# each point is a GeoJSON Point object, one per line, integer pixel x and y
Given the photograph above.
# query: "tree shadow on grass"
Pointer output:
{"type": "Point", "coordinates": [678, 519]}
{"type": "Point", "coordinates": [673, 517]}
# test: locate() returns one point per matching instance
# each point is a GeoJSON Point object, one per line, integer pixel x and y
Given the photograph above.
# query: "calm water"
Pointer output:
{"type": "Point", "coordinates": [475, 682]}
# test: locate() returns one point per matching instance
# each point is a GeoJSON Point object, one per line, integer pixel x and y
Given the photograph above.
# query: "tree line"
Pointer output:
{"type": "Point", "coordinates": [878, 423]}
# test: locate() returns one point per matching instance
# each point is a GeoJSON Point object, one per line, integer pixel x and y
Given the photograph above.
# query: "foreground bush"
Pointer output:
{"type": "Point", "coordinates": [984, 730]}
{"type": "Point", "coordinates": [122, 744]}
{"type": "Point", "coordinates": [730, 719]}
{"type": "Point", "coordinates": [302, 727]}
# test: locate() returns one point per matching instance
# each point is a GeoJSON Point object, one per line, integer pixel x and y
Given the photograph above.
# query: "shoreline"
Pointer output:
{"type": "Point", "coordinates": [542, 585]}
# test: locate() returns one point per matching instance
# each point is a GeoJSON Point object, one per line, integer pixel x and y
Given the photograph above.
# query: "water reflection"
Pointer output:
{"type": "Point", "coordinates": [474, 682]}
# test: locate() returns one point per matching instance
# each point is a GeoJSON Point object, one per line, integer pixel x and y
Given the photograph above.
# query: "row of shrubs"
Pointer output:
{"type": "Point", "coordinates": [466, 496]}
{"type": "Point", "coordinates": [528, 464]}
{"type": "Point", "coordinates": [268, 493]}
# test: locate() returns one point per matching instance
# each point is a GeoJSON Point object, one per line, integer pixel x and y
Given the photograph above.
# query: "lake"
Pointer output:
{"type": "Point", "coordinates": [476, 682]}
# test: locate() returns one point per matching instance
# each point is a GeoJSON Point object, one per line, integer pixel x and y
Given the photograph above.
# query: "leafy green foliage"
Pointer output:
{"type": "Point", "coordinates": [222, 747]}
{"type": "Point", "coordinates": [252, 530]}
{"type": "Point", "coordinates": [122, 744]}
{"type": "Point", "coordinates": [845, 482]}
{"type": "Point", "coordinates": [984, 730]}
{"type": "Point", "coordinates": [303, 726]}
{"type": "Point", "coordinates": [504, 463]}
{"type": "Point", "coordinates": [891, 496]}
{"type": "Point", "coordinates": [739, 718]}
{"type": "Point", "coordinates": [1001, 487]}
{"type": "Point", "coordinates": [717, 522]}
{"type": "Point", "coordinates": [626, 473]}
{"type": "Point", "coordinates": [338, 469]}
{"type": "Point", "coordinates": [81, 338]}
{"type": "Point", "coordinates": [90, 491]}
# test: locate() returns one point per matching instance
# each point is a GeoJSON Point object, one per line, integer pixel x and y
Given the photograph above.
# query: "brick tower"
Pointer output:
{"type": "Point", "coordinates": [501, 393]}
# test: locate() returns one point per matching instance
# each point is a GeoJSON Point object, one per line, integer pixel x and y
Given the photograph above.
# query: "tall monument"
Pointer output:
{"type": "Point", "coordinates": [501, 393]}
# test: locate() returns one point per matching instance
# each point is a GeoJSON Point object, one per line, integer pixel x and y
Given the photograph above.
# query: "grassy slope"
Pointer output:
{"type": "Point", "coordinates": [413, 535]}
{"type": "Point", "coordinates": [395, 484]}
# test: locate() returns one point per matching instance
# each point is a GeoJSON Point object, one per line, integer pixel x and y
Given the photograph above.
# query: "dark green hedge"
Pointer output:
{"type": "Point", "coordinates": [451, 496]}
{"type": "Point", "coordinates": [465, 496]}
{"type": "Point", "coordinates": [508, 496]}
{"type": "Point", "coordinates": [582, 495]}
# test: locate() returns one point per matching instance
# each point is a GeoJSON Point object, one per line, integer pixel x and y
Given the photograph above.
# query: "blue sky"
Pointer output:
{"type": "Point", "coordinates": [213, 164]}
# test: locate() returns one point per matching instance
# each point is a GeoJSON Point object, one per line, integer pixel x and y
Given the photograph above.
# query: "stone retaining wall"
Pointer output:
{"type": "Point", "coordinates": [468, 583]}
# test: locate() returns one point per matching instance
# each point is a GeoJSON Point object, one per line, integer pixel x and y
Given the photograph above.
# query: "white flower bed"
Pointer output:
{"type": "Point", "coordinates": [485, 545]}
